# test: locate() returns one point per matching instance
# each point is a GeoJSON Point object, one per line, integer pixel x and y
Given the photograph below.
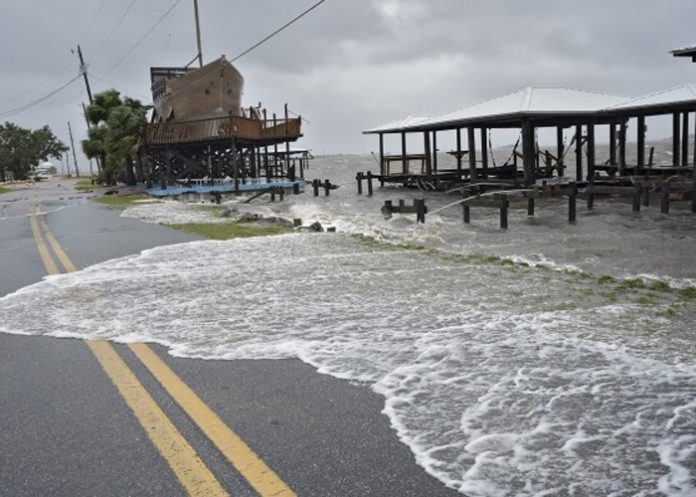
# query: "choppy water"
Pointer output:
{"type": "Point", "coordinates": [503, 378]}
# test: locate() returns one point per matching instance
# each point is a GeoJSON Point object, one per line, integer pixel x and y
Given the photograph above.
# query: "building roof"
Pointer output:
{"type": "Point", "coordinates": [527, 102]}
{"type": "Point", "coordinates": [672, 96]}
{"type": "Point", "coordinates": [546, 105]}
{"type": "Point", "coordinates": [404, 123]}
{"type": "Point", "coordinates": [685, 52]}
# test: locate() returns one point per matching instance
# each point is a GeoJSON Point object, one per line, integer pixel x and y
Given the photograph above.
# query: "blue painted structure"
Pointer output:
{"type": "Point", "coordinates": [255, 186]}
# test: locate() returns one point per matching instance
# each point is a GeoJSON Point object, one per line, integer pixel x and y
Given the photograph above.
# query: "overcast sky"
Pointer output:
{"type": "Point", "coordinates": [350, 64]}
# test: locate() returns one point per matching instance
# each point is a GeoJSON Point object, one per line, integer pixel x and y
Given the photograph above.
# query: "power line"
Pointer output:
{"type": "Point", "coordinates": [113, 30]}
{"type": "Point", "coordinates": [143, 38]}
{"type": "Point", "coordinates": [278, 30]}
{"type": "Point", "coordinates": [29, 105]}
{"type": "Point", "coordinates": [91, 24]}
{"type": "Point", "coordinates": [45, 81]}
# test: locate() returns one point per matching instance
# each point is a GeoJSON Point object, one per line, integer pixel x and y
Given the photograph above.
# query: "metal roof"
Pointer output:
{"type": "Point", "coordinates": [542, 102]}
{"type": "Point", "coordinates": [685, 51]}
{"type": "Point", "coordinates": [671, 96]}
{"type": "Point", "coordinates": [531, 100]}
{"type": "Point", "coordinates": [407, 122]}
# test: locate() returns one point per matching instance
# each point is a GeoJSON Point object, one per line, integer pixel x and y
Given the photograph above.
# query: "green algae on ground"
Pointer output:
{"type": "Point", "coordinates": [233, 229]}
{"type": "Point", "coordinates": [121, 201]}
{"type": "Point", "coordinates": [5, 190]}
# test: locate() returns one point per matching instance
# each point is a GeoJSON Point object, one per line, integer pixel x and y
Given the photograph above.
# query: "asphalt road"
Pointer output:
{"type": "Point", "coordinates": [67, 430]}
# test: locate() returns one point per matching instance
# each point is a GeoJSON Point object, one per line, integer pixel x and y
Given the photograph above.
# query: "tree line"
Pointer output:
{"type": "Point", "coordinates": [115, 126]}
{"type": "Point", "coordinates": [21, 149]}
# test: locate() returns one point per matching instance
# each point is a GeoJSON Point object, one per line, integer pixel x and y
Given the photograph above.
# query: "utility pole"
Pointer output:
{"type": "Point", "coordinates": [198, 34]}
{"type": "Point", "coordinates": [72, 144]}
{"type": "Point", "coordinates": [83, 71]}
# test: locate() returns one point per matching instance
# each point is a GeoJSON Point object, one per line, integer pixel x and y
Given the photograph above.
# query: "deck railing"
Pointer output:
{"type": "Point", "coordinates": [222, 128]}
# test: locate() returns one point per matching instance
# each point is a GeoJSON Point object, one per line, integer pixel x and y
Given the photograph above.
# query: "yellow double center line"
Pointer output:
{"type": "Point", "coordinates": [193, 474]}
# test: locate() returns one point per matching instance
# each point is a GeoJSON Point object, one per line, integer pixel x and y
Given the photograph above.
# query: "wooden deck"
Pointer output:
{"type": "Point", "coordinates": [223, 128]}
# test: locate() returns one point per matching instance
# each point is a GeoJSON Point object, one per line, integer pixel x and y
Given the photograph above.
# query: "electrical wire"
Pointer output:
{"type": "Point", "coordinates": [300, 16]}
{"type": "Point", "coordinates": [147, 33]}
{"type": "Point", "coordinates": [113, 30]}
{"type": "Point", "coordinates": [34, 88]}
{"type": "Point", "coordinates": [91, 24]}
{"type": "Point", "coordinates": [33, 103]}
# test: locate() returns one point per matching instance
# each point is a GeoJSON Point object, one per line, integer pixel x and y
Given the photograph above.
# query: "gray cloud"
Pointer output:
{"type": "Point", "coordinates": [351, 64]}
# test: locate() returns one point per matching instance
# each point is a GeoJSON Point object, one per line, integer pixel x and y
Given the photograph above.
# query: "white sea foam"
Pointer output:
{"type": "Point", "coordinates": [502, 380]}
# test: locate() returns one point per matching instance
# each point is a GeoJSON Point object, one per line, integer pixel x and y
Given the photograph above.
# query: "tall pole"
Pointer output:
{"type": "Point", "coordinates": [198, 34]}
{"type": "Point", "coordinates": [83, 70]}
{"type": "Point", "coordinates": [72, 144]}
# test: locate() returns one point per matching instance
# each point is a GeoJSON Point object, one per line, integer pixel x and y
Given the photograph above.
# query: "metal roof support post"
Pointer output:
{"type": "Point", "coordinates": [685, 139]}
{"type": "Point", "coordinates": [590, 152]}
{"type": "Point", "coordinates": [623, 126]}
{"type": "Point", "coordinates": [381, 154]}
{"type": "Point", "coordinates": [612, 144]}
{"type": "Point", "coordinates": [426, 150]}
{"type": "Point", "coordinates": [528, 159]}
{"type": "Point", "coordinates": [560, 149]}
{"type": "Point", "coordinates": [459, 149]}
{"type": "Point", "coordinates": [472, 153]}
{"type": "Point", "coordinates": [484, 152]}
{"type": "Point", "coordinates": [676, 149]}
{"type": "Point", "coordinates": [641, 141]}
{"type": "Point", "coordinates": [403, 153]}
{"type": "Point", "coordinates": [578, 152]}
{"type": "Point", "coordinates": [434, 159]}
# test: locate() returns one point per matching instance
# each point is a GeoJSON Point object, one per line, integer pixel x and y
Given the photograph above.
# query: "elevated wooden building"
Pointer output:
{"type": "Point", "coordinates": [199, 129]}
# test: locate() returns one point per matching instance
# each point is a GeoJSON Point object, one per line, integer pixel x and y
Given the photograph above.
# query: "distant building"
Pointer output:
{"type": "Point", "coordinates": [685, 52]}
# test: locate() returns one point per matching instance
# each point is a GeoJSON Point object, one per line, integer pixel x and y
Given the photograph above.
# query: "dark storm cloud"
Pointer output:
{"type": "Point", "coordinates": [351, 64]}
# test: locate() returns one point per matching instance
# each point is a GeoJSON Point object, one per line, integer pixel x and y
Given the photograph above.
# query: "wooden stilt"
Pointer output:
{"type": "Point", "coordinates": [676, 149]}
{"type": "Point", "coordinates": [637, 198]}
{"type": "Point", "coordinates": [434, 156]}
{"type": "Point", "coordinates": [403, 153]}
{"type": "Point", "coordinates": [664, 197]}
{"type": "Point", "coordinates": [459, 149]}
{"type": "Point", "coordinates": [504, 204]}
{"type": "Point", "coordinates": [590, 152]}
{"type": "Point", "coordinates": [572, 203]}
{"type": "Point", "coordinates": [560, 150]}
{"type": "Point", "coordinates": [381, 154]}
{"type": "Point", "coordinates": [369, 183]}
{"type": "Point", "coordinates": [641, 141]}
{"type": "Point", "coordinates": [471, 137]}
{"type": "Point", "coordinates": [484, 152]}
{"type": "Point", "coordinates": [426, 150]}
{"type": "Point", "coordinates": [685, 139]}
{"type": "Point", "coordinates": [612, 144]}
{"type": "Point", "coordinates": [530, 206]}
{"type": "Point", "coordinates": [578, 152]}
{"type": "Point", "coordinates": [359, 179]}
{"type": "Point", "coordinates": [528, 152]}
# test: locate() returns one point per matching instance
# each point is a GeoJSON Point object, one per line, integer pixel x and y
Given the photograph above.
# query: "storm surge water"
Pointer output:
{"type": "Point", "coordinates": [505, 369]}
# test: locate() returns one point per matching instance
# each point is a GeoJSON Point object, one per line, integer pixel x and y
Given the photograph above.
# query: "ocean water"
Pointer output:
{"type": "Point", "coordinates": [511, 363]}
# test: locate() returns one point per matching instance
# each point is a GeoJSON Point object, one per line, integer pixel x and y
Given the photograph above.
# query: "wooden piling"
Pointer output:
{"type": "Point", "coordinates": [622, 147]}
{"type": "Point", "coordinates": [296, 189]}
{"type": "Point", "coordinates": [637, 198]}
{"type": "Point", "coordinates": [484, 152]}
{"type": "Point", "coordinates": [528, 152]}
{"type": "Point", "coordinates": [466, 213]}
{"type": "Point", "coordinates": [327, 187]}
{"type": "Point", "coordinates": [504, 204]}
{"type": "Point", "coordinates": [685, 139]}
{"type": "Point", "coordinates": [676, 149]}
{"type": "Point", "coordinates": [641, 141]}
{"type": "Point", "coordinates": [572, 203]}
{"type": "Point", "coordinates": [459, 149]}
{"type": "Point", "coordinates": [664, 197]}
{"type": "Point", "coordinates": [590, 194]}
{"type": "Point", "coordinates": [359, 179]}
{"type": "Point", "coordinates": [369, 183]}
{"type": "Point", "coordinates": [530, 206]}
{"type": "Point", "coordinates": [612, 144]}
{"type": "Point", "coordinates": [578, 152]}
{"type": "Point", "coordinates": [471, 137]}
{"type": "Point", "coordinates": [315, 187]}
{"type": "Point", "coordinates": [560, 149]}
{"type": "Point", "coordinates": [646, 195]}
{"type": "Point", "coordinates": [420, 210]}
{"type": "Point", "coordinates": [590, 152]}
